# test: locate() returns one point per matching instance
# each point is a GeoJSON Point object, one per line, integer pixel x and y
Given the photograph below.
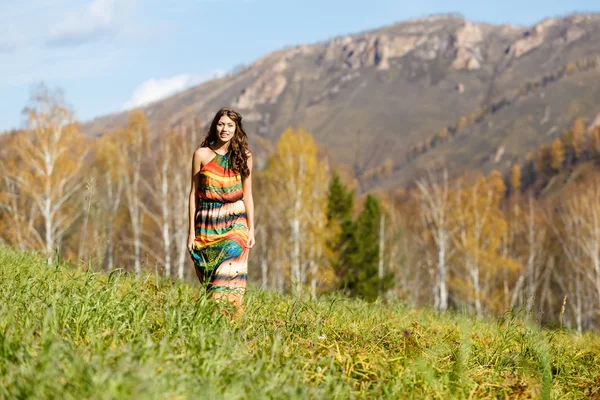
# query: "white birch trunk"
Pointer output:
{"type": "Point", "coordinates": [279, 276]}
{"type": "Point", "coordinates": [578, 302]}
{"type": "Point", "coordinates": [166, 232]}
{"type": "Point", "coordinates": [441, 275]}
{"type": "Point", "coordinates": [380, 271]}
{"type": "Point", "coordinates": [134, 208]}
{"type": "Point", "coordinates": [531, 273]}
{"type": "Point", "coordinates": [314, 273]}
{"type": "Point", "coordinates": [296, 278]}
{"type": "Point", "coordinates": [49, 227]}
{"type": "Point", "coordinates": [434, 204]}
{"type": "Point", "coordinates": [89, 187]}
{"type": "Point", "coordinates": [113, 198]}
{"type": "Point", "coordinates": [180, 222]}
{"type": "Point", "coordinates": [264, 269]}
{"type": "Point", "coordinates": [476, 290]}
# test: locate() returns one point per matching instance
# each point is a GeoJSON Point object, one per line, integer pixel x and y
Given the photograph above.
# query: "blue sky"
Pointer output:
{"type": "Point", "coordinates": [108, 55]}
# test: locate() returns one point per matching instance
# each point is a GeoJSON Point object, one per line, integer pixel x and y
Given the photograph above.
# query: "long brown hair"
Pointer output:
{"type": "Point", "coordinates": [238, 148]}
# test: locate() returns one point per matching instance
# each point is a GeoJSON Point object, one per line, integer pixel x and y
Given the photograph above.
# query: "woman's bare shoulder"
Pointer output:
{"type": "Point", "coordinates": [202, 153]}
{"type": "Point", "coordinates": [202, 150]}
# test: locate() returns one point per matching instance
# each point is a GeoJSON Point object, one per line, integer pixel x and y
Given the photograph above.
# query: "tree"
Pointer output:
{"type": "Point", "coordinates": [544, 160]}
{"type": "Point", "coordinates": [51, 152]}
{"type": "Point", "coordinates": [363, 277]}
{"type": "Point", "coordinates": [528, 172]}
{"type": "Point", "coordinates": [580, 214]}
{"type": "Point", "coordinates": [184, 141]}
{"type": "Point", "coordinates": [340, 206]}
{"type": "Point", "coordinates": [133, 151]}
{"type": "Point", "coordinates": [574, 141]}
{"type": "Point", "coordinates": [107, 166]}
{"type": "Point", "coordinates": [159, 186]}
{"type": "Point", "coordinates": [17, 212]}
{"type": "Point", "coordinates": [595, 139]}
{"type": "Point", "coordinates": [406, 255]}
{"type": "Point", "coordinates": [530, 235]}
{"type": "Point", "coordinates": [557, 154]}
{"type": "Point", "coordinates": [320, 271]}
{"type": "Point", "coordinates": [480, 227]}
{"type": "Point", "coordinates": [462, 124]}
{"type": "Point", "coordinates": [433, 197]}
{"type": "Point", "coordinates": [570, 68]}
{"type": "Point", "coordinates": [292, 173]}
{"type": "Point", "coordinates": [578, 132]}
{"type": "Point", "coordinates": [515, 179]}
{"type": "Point", "coordinates": [444, 134]}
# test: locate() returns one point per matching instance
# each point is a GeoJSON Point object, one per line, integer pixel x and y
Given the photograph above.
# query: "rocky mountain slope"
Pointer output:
{"type": "Point", "coordinates": [372, 97]}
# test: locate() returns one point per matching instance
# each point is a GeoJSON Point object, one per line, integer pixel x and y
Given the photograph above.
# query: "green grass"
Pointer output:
{"type": "Point", "coordinates": [71, 335]}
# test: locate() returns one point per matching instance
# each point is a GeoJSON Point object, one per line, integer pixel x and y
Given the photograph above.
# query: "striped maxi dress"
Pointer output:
{"type": "Point", "coordinates": [221, 227]}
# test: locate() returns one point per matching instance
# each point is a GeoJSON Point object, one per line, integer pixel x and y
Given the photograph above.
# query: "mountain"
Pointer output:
{"type": "Point", "coordinates": [377, 100]}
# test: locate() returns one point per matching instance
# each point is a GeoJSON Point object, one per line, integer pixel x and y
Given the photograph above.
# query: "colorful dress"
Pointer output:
{"type": "Point", "coordinates": [221, 227]}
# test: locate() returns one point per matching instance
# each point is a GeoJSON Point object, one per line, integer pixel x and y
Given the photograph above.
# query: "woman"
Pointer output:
{"type": "Point", "coordinates": [221, 213]}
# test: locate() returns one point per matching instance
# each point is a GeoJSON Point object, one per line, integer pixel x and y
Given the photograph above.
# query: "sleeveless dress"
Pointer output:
{"type": "Point", "coordinates": [221, 227]}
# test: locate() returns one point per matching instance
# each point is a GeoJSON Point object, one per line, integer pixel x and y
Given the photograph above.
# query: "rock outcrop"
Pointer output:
{"type": "Point", "coordinates": [467, 41]}
{"type": "Point", "coordinates": [531, 39]}
{"type": "Point", "coordinates": [266, 89]}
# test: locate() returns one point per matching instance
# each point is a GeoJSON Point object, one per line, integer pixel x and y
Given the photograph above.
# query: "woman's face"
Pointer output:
{"type": "Point", "coordinates": [225, 128]}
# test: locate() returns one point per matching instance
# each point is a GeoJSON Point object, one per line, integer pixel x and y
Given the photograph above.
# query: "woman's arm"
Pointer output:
{"type": "Point", "coordinates": [249, 202]}
{"type": "Point", "coordinates": [196, 165]}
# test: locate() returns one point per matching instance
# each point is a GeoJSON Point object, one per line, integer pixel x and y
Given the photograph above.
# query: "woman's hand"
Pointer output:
{"type": "Point", "coordinates": [190, 242]}
{"type": "Point", "coordinates": [251, 240]}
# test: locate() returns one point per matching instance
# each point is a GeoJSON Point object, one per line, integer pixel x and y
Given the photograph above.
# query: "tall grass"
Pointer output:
{"type": "Point", "coordinates": [71, 335]}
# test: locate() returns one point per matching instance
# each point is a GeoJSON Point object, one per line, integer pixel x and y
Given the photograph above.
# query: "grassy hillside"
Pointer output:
{"type": "Point", "coordinates": [68, 334]}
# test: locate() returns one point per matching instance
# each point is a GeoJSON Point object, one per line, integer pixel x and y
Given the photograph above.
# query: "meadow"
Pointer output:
{"type": "Point", "coordinates": [72, 334]}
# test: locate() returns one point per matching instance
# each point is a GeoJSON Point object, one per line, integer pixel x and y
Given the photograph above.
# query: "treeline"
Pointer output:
{"type": "Point", "coordinates": [488, 252]}
{"type": "Point", "coordinates": [574, 148]}
{"type": "Point", "coordinates": [105, 203]}
{"type": "Point", "coordinates": [478, 243]}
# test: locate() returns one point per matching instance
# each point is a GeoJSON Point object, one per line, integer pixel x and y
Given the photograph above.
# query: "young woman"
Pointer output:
{"type": "Point", "coordinates": [221, 214]}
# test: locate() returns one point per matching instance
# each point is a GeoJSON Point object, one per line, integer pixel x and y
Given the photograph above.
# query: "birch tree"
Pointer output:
{"type": "Point", "coordinates": [580, 215]}
{"type": "Point", "coordinates": [272, 244]}
{"type": "Point", "coordinates": [159, 185]}
{"type": "Point", "coordinates": [480, 227]}
{"type": "Point", "coordinates": [108, 168]}
{"type": "Point", "coordinates": [133, 151]}
{"type": "Point", "coordinates": [17, 211]}
{"type": "Point", "coordinates": [433, 197]}
{"type": "Point", "coordinates": [184, 140]}
{"type": "Point", "coordinates": [51, 152]}
{"type": "Point", "coordinates": [319, 270]}
{"type": "Point", "coordinates": [292, 173]}
{"type": "Point", "coordinates": [408, 257]}
{"type": "Point", "coordinates": [531, 237]}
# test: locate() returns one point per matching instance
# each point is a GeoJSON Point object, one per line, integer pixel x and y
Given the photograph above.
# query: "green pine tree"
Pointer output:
{"type": "Point", "coordinates": [362, 278]}
{"type": "Point", "coordinates": [354, 251]}
{"type": "Point", "coordinates": [340, 203]}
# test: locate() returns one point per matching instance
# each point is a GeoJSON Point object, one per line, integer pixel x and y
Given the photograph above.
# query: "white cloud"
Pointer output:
{"type": "Point", "coordinates": [155, 89]}
{"type": "Point", "coordinates": [100, 18]}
